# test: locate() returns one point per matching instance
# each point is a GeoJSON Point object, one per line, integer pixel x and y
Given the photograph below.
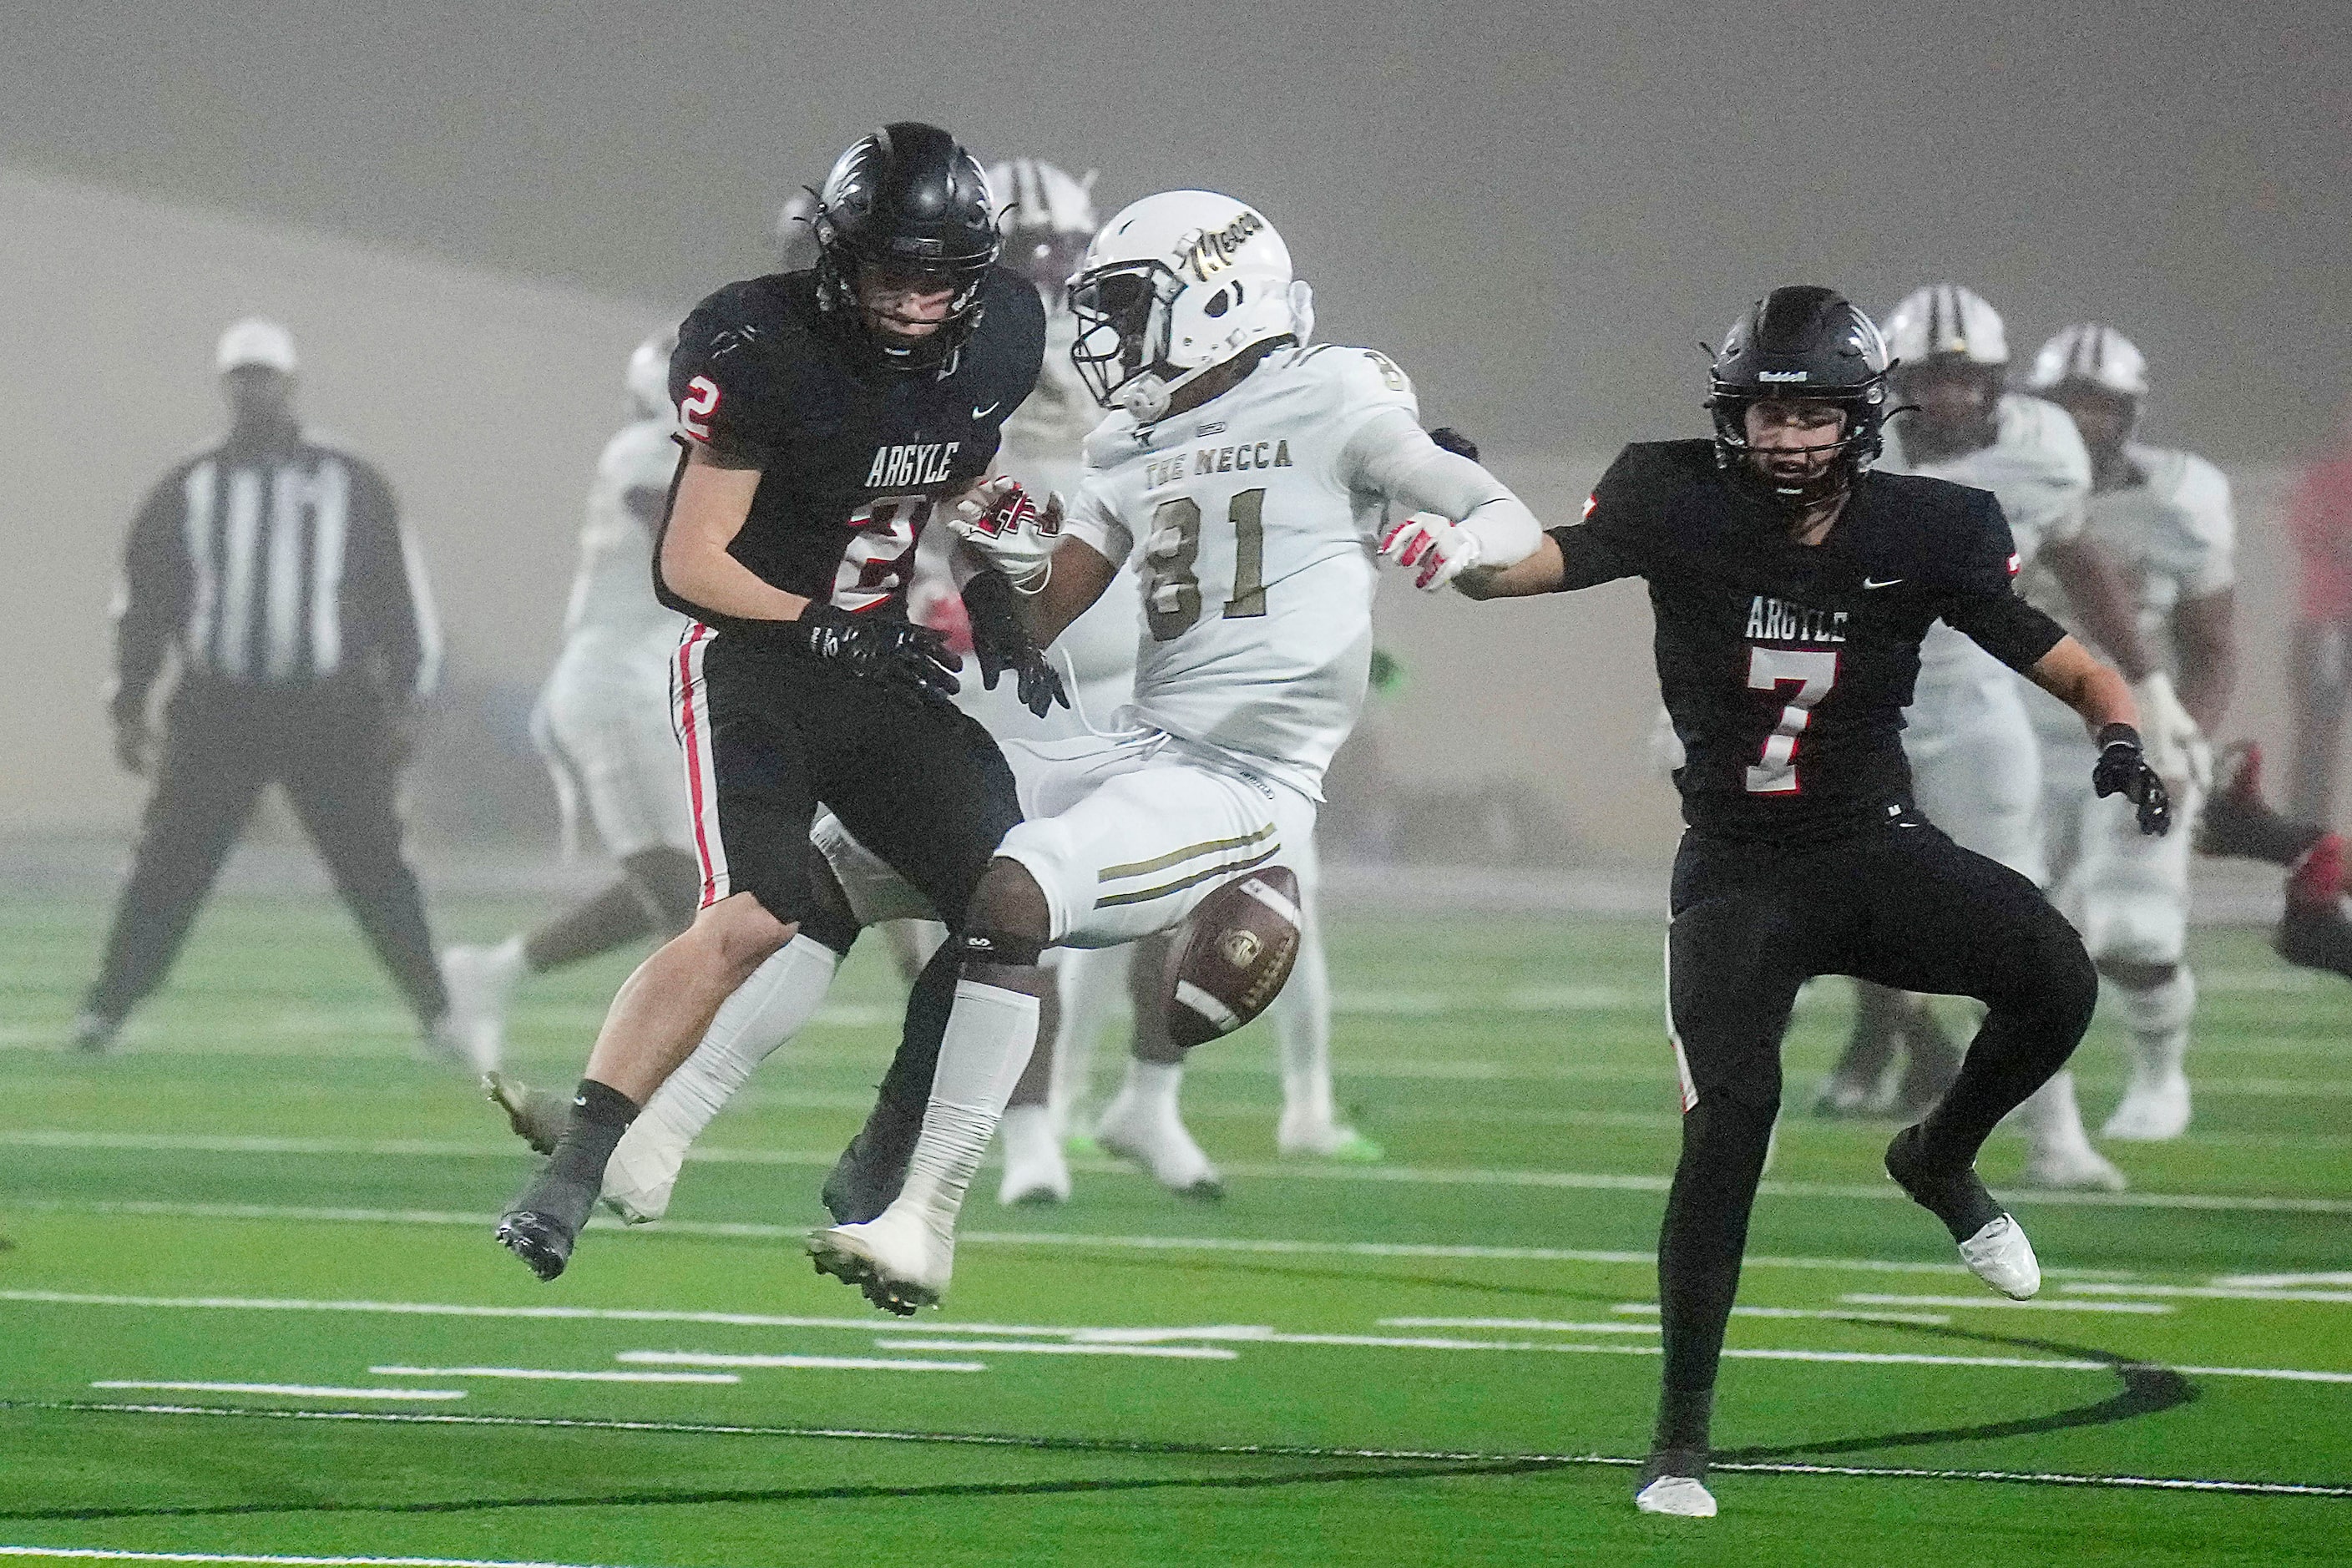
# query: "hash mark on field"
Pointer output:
{"type": "Point", "coordinates": [92, 1554]}
{"type": "Point", "coordinates": [835, 1362]}
{"type": "Point", "coordinates": [2002, 1303]}
{"type": "Point", "coordinates": [541, 1374]}
{"type": "Point", "coordinates": [293, 1390]}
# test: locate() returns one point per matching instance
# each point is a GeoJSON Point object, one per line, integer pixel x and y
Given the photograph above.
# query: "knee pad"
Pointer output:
{"type": "Point", "coordinates": [668, 882]}
{"type": "Point", "coordinates": [2160, 1009]}
{"type": "Point", "coordinates": [1001, 947]}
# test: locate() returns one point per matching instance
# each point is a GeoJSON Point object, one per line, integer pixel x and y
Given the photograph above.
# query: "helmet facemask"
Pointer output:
{"type": "Point", "coordinates": [1125, 324]}
{"type": "Point", "coordinates": [1859, 442]}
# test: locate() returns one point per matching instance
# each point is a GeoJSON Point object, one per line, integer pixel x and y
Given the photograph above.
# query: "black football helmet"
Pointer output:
{"type": "Point", "coordinates": [906, 198]}
{"type": "Point", "coordinates": [1810, 343]}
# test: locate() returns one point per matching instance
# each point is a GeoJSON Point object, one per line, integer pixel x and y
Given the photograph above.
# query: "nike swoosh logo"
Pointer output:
{"type": "Point", "coordinates": [985, 413]}
{"type": "Point", "coordinates": [1875, 583]}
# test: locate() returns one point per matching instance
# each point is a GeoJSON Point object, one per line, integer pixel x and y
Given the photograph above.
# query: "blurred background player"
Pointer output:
{"type": "Point", "coordinates": [2319, 516]}
{"type": "Point", "coordinates": [2163, 517]}
{"type": "Point", "coordinates": [275, 570]}
{"type": "Point", "coordinates": [1970, 737]}
{"type": "Point", "coordinates": [603, 723]}
{"type": "Point", "coordinates": [2315, 930]}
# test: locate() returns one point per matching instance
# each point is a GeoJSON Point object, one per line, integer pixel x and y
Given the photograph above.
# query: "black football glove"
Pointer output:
{"type": "Point", "coordinates": [2123, 770]}
{"type": "Point", "coordinates": [999, 636]}
{"type": "Point", "coordinates": [1451, 440]}
{"type": "Point", "coordinates": [878, 647]}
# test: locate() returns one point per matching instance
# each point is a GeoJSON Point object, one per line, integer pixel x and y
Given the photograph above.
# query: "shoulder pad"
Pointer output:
{"type": "Point", "coordinates": [2040, 434]}
{"type": "Point", "coordinates": [1110, 442]}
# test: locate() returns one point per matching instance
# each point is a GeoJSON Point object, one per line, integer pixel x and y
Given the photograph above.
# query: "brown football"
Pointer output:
{"type": "Point", "coordinates": [1231, 956]}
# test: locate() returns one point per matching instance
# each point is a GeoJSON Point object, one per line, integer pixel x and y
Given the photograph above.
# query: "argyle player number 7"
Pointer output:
{"type": "Point", "coordinates": [1791, 587]}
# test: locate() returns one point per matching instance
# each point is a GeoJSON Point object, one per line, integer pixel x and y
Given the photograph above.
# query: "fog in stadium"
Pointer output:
{"type": "Point", "coordinates": [261, 1192]}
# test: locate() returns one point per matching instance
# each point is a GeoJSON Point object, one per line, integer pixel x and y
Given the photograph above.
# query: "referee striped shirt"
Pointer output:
{"type": "Point", "coordinates": [277, 564]}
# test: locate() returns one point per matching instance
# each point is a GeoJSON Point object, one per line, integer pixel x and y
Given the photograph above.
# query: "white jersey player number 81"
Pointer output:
{"type": "Point", "coordinates": [1171, 589]}
{"type": "Point", "coordinates": [1812, 673]}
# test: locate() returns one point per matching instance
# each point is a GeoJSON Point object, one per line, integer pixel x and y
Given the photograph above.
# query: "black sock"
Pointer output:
{"type": "Point", "coordinates": [1684, 1415]}
{"type": "Point", "coordinates": [600, 1114]}
{"type": "Point", "coordinates": [907, 1087]}
{"type": "Point", "coordinates": [1952, 1193]}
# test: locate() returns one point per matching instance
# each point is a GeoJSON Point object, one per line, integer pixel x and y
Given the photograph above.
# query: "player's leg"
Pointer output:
{"type": "Point", "coordinates": [2238, 822]}
{"type": "Point", "coordinates": [343, 783]}
{"type": "Point", "coordinates": [2313, 933]}
{"type": "Point", "coordinates": [1736, 955]}
{"type": "Point", "coordinates": [1093, 982]}
{"type": "Point", "coordinates": [2135, 920]}
{"type": "Point", "coordinates": [1301, 1014]}
{"type": "Point", "coordinates": [1034, 1169]}
{"type": "Point", "coordinates": [207, 781]}
{"type": "Point", "coordinates": [1939, 919]}
{"type": "Point", "coordinates": [2321, 666]}
{"type": "Point", "coordinates": [1142, 1123]}
{"type": "Point", "coordinates": [752, 804]}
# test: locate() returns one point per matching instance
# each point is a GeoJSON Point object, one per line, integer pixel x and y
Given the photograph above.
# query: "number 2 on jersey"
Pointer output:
{"type": "Point", "coordinates": [1171, 588]}
{"type": "Point", "coordinates": [875, 563]}
{"type": "Point", "coordinates": [1812, 674]}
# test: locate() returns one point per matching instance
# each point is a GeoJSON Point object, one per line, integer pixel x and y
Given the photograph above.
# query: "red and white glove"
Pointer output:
{"type": "Point", "coordinates": [1006, 529]}
{"type": "Point", "coordinates": [1432, 549]}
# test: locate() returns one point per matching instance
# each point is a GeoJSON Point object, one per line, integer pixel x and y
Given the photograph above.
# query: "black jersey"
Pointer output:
{"type": "Point", "coordinates": [1785, 667]}
{"type": "Point", "coordinates": [853, 454]}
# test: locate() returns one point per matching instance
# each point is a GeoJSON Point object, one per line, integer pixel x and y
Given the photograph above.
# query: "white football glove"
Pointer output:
{"type": "Point", "coordinates": [1006, 529]}
{"type": "Point", "coordinates": [1432, 549]}
{"type": "Point", "coordinates": [2174, 747]}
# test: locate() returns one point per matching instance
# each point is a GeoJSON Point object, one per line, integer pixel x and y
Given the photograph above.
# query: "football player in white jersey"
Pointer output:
{"type": "Point", "coordinates": [603, 723]}
{"type": "Point", "coordinates": [2163, 516]}
{"type": "Point", "coordinates": [1250, 473]}
{"type": "Point", "coordinates": [1971, 736]}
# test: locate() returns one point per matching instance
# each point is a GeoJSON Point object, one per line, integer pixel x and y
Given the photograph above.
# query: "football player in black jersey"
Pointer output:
{"type": "Point", "coordinates": [1791, 586]}
{"type": "Point", "coordinates": [824, 414]}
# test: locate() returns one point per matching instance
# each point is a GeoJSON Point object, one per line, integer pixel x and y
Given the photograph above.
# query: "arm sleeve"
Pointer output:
{"type": "Point", "coordinates": [2212, 530]}
{"type": "Point", "coordinates": [388, 589]}
{"type": "Point", "coordinates": [1980, 598]}
{"type": "Point", "coordinates": [1390, 455]}
{"type": "Point", "coordinates": [151, 601]}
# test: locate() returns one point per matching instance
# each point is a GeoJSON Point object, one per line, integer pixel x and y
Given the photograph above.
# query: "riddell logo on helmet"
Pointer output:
{"type": "Point", "coordinates": [1215, 252]}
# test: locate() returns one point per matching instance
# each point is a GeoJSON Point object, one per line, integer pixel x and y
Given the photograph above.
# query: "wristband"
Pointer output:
{"type": "Point", "coordinates": [2118, 735]}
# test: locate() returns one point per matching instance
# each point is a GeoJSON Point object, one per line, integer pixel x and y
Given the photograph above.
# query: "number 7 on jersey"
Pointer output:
{"type": "Point", "coordinates": [1812, 673]}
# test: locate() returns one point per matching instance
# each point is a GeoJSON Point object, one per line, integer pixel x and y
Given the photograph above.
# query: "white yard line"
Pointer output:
{"type": "Point", "coordinates": [2002, 1303]}
{"type": "Point", "coordinates": [821, 1362]}
{"type": "Point", "coordinates": [549, 1375]}
{"type": "Point", "coordinates": [2282, 1281]}
{"type": "Point", "coordinates": [1927, 1320]}
{"type": "Point", "coordinates": [1043, 1347]}
{"type": "Point", "coordinates": [2210, 1293]}
{"type": "Point", "coordinates": [98, 1554]}
{"type": "Point", "coordinates": [1531, 1324]}
{"type": "Point", "coordinates": [294, 1390]}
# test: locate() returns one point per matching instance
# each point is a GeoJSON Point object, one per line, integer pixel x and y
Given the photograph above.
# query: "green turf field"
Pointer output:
{"type": "Point", "coordinates": [1446, 1358]}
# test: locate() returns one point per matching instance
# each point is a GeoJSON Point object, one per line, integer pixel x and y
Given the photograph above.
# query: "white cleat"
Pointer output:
{"type": "Point", "coordinates": [2002, 1256]}
{"type": "Point", "coordinates": [1157, 1140]}
{"type": "Point", "coordinates": [2154, 1110]}
{"type": "Point", "coordinates": [1035, 1170]}
{"type": "Point", "coordinates": [479, 980]}
{"type": "Point", "coordinates": [1318, 1138]}
{"type": "Point", "coordinates": [2079, 1169]}
{"type": "Point", "coordinates": [1683, 1496]}
{"type": "Point", "coordinates": [898, 1261]}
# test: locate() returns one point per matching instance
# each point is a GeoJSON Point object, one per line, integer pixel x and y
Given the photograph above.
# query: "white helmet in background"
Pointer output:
{"type": "Point", "coordinates": [1047, 217]}
{"type": "Point", "coordinates": [1945, 320]}
{"type": "Point", "coordinates": [1174, 286]}
{"type": "Point", "coordinates": [648, 378]}
{"type": "Point", "coordinates": [2091, 355]}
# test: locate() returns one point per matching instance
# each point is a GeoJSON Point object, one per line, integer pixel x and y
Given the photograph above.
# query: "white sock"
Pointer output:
{"type": "Point", "coordinates": [775, 1004]}
{"type": "Point", "coordinates": [1153, 1085]}
{"type": "Point", "coordinates": [989, 1037]}
{"type": "Point", "coordinates": [2158, 1018]}
{"type": "Point", "coordinates": [2049, 1118]}
{"type": "Point", "coordinates": [1092, 981]}
{"type": "Point", "coordinates": [1302, 1022]}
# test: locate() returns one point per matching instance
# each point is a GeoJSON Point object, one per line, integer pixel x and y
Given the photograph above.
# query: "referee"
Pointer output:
{"type": "Point", "coordinates": [275, 569]}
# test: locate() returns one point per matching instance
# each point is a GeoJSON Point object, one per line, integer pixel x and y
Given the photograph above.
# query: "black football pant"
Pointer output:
{"type": "Point", "coordinates": [333, 750]}
{"type": "Point", "coordinates": [1900, 904]}
{"type": "Point", "coordinates": [2321, 666]}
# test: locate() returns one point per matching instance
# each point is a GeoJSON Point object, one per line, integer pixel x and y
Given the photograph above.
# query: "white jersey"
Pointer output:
{"type": "Point", "coordinates": [2040, 471]}
{"type": "Point", "coordinates": [612, 592]}
{"type": "Point", "coordinates": [2171, 535]}
{"type": "Point", "coordinates": [1257, 551]}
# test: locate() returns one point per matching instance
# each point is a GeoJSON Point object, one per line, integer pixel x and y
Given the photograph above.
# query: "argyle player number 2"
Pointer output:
{"type": "Point", "coordinates": [1791, 587]}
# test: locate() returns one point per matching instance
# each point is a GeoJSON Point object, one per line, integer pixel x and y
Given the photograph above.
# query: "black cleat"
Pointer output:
{"type": "Point", "coordinates": [1955, 1196]}
{"type": "Point", "coordinates": [2313, 933]}
{"type": "Point", "coordinates": [536, 1116]}
{"type": "Point", "coordinates": [543, 1225]}
{"type": "Point", "coordinates": [866, 1178]}
{"type": "Point", "coordinates": [2238, 823]}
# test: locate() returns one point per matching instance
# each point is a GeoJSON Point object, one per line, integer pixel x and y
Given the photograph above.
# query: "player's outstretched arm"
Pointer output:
{"type": "Point", "coordinates": [714, 498]}
{"type": "Point", "coordinates": [1545, 572]}
{"type": "Point", "coordinates": [1080, 574]}
{"type": "Point", "coordinates": [2071, 673]}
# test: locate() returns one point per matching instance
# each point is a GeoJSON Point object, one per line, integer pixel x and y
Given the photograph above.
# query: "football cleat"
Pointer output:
{"type": "Point", "coordinates": [95, 1033]}
{"type": "Point", "coordinates": [2236, 820]}
{"type": "Point", "coordinates": [866, 1178]}
{"type": "Point", "coordinates": [536, 1116]}
{"type": "Point", "coordinates": [2000, 1255]}
{"type": "Point", "coordinates": [2080, 1169]}
{"type": "Point", "coordinates": [480, 981]}
{"type": "Point", "coordinates": [898, 1262]}
{"type": "Point", "coordinates": [1156, 1139]}
{"type": "Point", "coordinates": [2313, 933]}
{"type": "Point", "coordinates": [2153, 1110]}
{"type": "Point", "coordinates": [1322, 1139]}
{"type": "Point", "coordinates": [1674, 1483]}
{"type": "Point", "coordinates": [1035, 1171]}
{"type": "Point", "coordinates": [543, 1225]}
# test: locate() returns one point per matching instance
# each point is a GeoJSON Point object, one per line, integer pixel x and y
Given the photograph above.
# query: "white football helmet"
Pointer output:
{"type": "Point", "coordinates": [1174, 286]}
{"type": "Point", "coordinates": [795, 239]}
{"type": "Point", "coordinates": [648, 378]}
{"type": "Point", "coordinates": [2091, 355]}
{"type": "Point", "coordinates": [1945, 320]}
{"type": "Point", "coordinates": [1048, 218]}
